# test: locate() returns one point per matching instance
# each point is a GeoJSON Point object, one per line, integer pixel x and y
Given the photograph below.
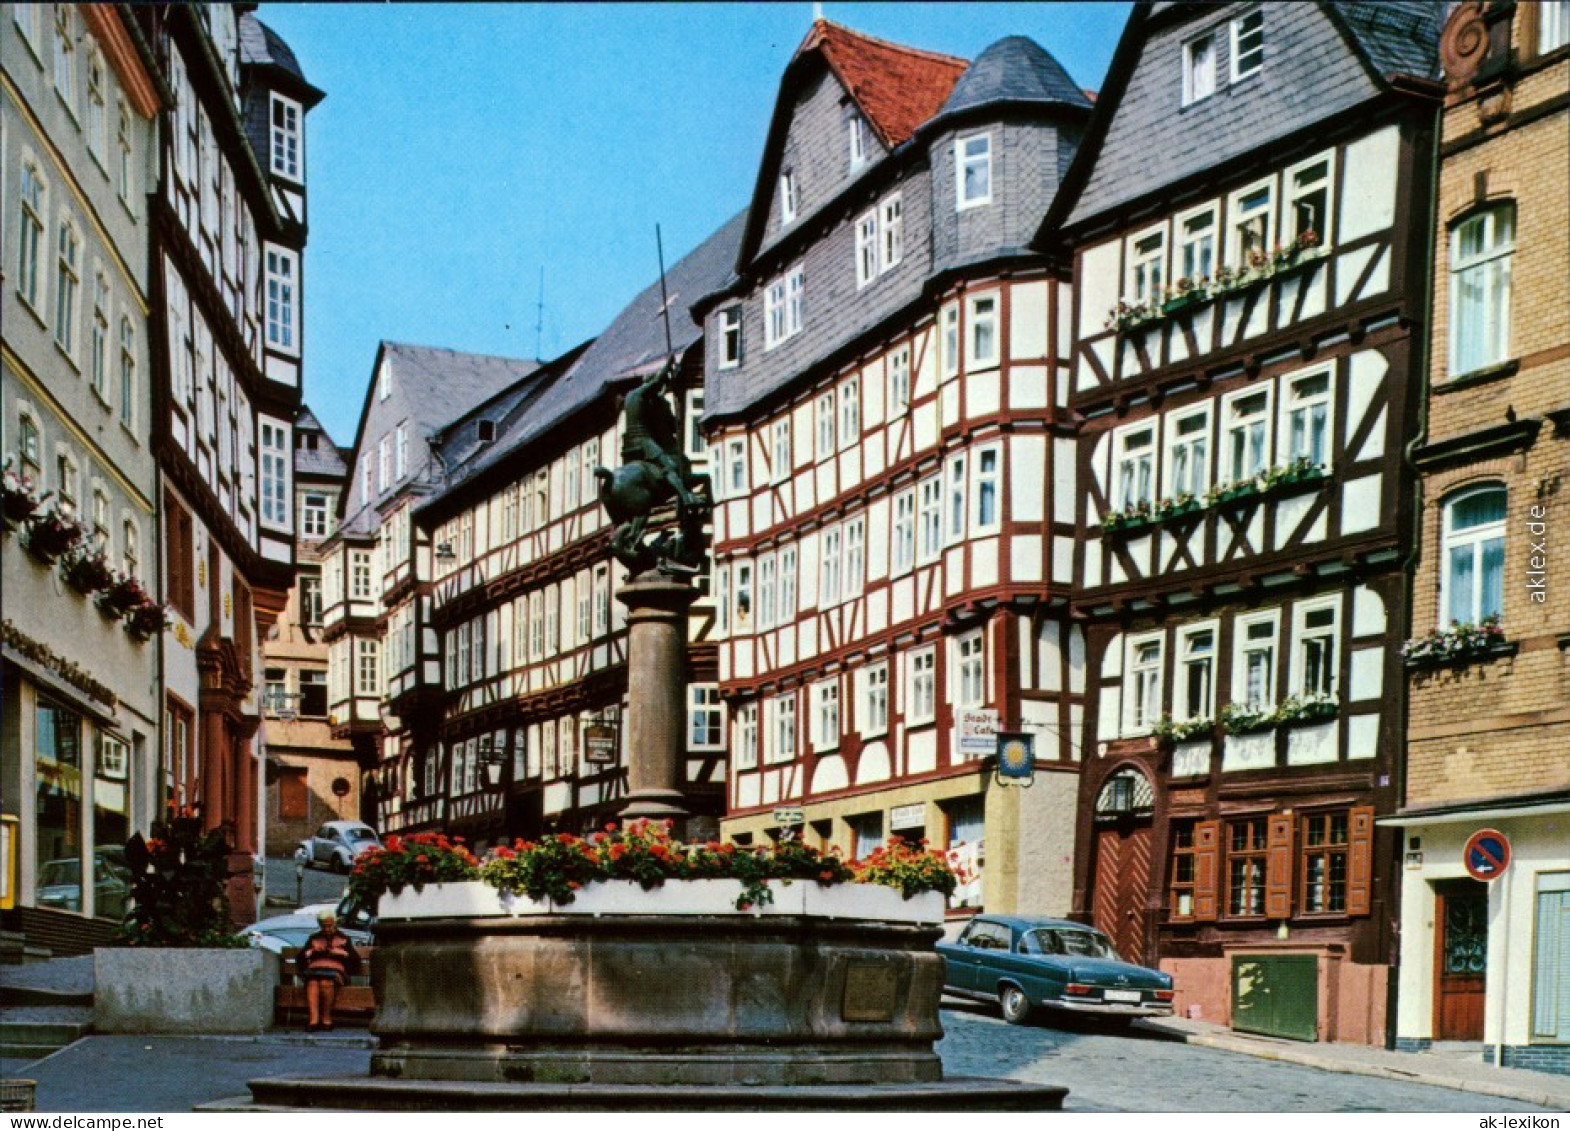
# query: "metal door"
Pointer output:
{"type": "Point", "coordinates": [1276, 995]}
{"type": "Point", "coordinates": [1461, 961]}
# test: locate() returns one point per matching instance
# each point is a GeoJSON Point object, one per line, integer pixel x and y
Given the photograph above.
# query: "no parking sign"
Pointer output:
{"type": "Point", "coordinates": [1486, 855]}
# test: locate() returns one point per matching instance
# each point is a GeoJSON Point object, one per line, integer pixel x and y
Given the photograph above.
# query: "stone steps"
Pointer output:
{"type": "Point", "coordinates": [32, 1039]}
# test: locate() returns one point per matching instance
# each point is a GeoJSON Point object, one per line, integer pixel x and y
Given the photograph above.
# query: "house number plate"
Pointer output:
{"type": "Point", "coordinates": [869, 992]}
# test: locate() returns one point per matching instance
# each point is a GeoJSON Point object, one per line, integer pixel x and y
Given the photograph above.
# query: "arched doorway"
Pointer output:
{"type": "Point", "coordinates": [1122, 846]}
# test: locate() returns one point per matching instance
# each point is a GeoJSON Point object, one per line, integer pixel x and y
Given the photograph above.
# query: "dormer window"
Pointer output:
{"type": "Point", "coordinates": [730, 337]}
{"type": "Point", "coordinates": [286, 138]}
{"type": "Point", "coordinates": [973, 171]}
{"type": "Point", "coordinates": [788, 201]}
{"type": "Point", "coordinates": [1199, 68]}
{"type": "Point", "coordinates": [1248, 45]}
{"type": "Point", "coordinates": [856, 129]}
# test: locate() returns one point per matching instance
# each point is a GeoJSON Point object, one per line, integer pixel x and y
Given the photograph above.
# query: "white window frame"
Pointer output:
{"type": "Point", "coordinates": [795, 300]}
{"type": "Point", "coordinates": [983, 324]}
{"type": "Point", "coordinates": [1194, 89]}
{"type": "Point", "coordinates": [283, 300]}
{"type": "Point", "coordinates": [768, 591]}
{"type": "Point", "coordinates": [602, 600]}
{"type": "Point", "coordinates": [956, 499]}
{"type": "Point", "coordinates": [826, 715]}
{"type": "Point", "coordinates": [891, 232]}
{"type": "Point", "coordinates": [1144, 684]}
{"type": "Point", "coordinates": [970, 667]}
{"type": "Point", "coordinates": [741, 617]}
{"type": "Point", "coordinates": [1236, 219]}
{"type": "Point", "coordinates": [730, 337]}
{"type": "Point", "coordinates": [1192, 259]}
{"type": "Point", "coordinates": [902, 538]}
{"type": "Point", "coordinates": [948, 340]}
{"type": "Point", "coordinates": [1195, 476]}
{"type": "Point", "coordinates": [787, 606]}
{"type": "Point", "coordinates": [97, 126]}
{"type": "Point", "coordinates": [855, 571]}
{"type": "Point", "coordinates": [967, 155]}
{"type": "Point", "coordinates": [722, 607]}
{"type": "Point", "coordinates": [783, 738]}
{"type": "Point", "coordinates": [32, 279]}
{"type": "Point", "coordinates": [1291, 193]}
{"type": "Point", "coordinates": [68, 285]}
{"type": "Point", "coordinates": [872, 699]}
{"type": "Point", "coordinates": [899, 379]}
{"type": "Point", "coordinates": [1473, 538]}
{"type": "Point", "coordinates": [1244, 647]}
{"type": "Point", "coordinates": [986, 485]}
{"type": "Point", "coordinates": [866, 247]}
{"type": "Point", "coordinates": [98, 341]}
{"type": "Point", "coordinates": [1124, 493]}
{"type": "Point", "coordinates": [774, 324]}
{"type": "Point", "coordinates": [274, 488]}
{"type": "Point", "coordinates": [744, 743]}
{"type": "Point", "coordinates": [929, 520]}
{"type": "Point", "coordinates": [1553, 25]}
{"type": "Point", "coordinates": [1236, 34]}
{"type": "Point", "coordinates": [127, 371]}
{"type": "Point", "coordinates": [1292, 405]}
{"type": "Point", "coordinates": [921, 686]}
{"type": "Point", "coordinates": [1188, 658]}
{"type": "Point", "coordinates": [827, 425]}
{"type": "Point", "coordinates": [780, 452]}
{"type": "Point", "coordinates": [830, 567]}
{"type": "Point", "coordinates": [1224, 471]}
{"type": "Point", "coordinates": [286, 139]}
{"type": "Point", "coordinates": [790, 202]}
{"type": "Point", "coordinates": [849, 397]}
{"type": "Point", "coordinates": [1489, 327]}
{"type": "Point", "coordinates": [856, 136]}
{"type": "Point", "coordinates": [704, 703]}
{"type": "Point", "coordinates": [1145, 254]}
{"type": "Point", "coordinates": [1303, 637]}
{"type": "Point", "coordinates": [735, 470]}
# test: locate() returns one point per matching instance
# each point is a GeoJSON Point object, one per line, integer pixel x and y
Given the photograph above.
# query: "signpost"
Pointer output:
{"type": "Point", "coordinates": [1486, 858]}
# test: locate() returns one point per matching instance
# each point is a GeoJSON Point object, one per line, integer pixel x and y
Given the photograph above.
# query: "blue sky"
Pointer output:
{"type": "Point", "coordinates": [464, 147]}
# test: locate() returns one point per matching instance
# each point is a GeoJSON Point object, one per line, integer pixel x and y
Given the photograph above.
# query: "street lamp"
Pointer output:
{"type": "Point", "coordinates": [492, 757]}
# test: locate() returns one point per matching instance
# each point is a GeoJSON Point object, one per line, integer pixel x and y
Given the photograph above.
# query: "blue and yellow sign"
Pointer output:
{"type": "Point", "coordinates": [1016, 756]}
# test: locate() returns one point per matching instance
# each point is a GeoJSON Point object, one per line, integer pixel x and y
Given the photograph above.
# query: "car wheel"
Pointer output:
{"type": "Point", "coordinates": [1013, 1004]}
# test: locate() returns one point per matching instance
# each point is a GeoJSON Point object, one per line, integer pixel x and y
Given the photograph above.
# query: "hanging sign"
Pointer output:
{"type": "Point", "coordinates": [1016, 755]}
{"type": "Point", "coordinates": [1486, 855]}
{"type": "Point", "coordinates": [599, 744]}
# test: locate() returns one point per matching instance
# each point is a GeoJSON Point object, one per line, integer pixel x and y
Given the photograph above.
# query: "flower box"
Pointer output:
{"type": "Point", "coordinates": [1302, 712]}
{"type": "Point", "coordinates": [146, 622]}
{"type": "Point", "coordinates": [87, 573]}
{"type": "Point", "coordinates": [475, 899]}
{"type": "Point", "coordinates": [51, 533]}
{"type": "Point", "coordinates": [1458, 644]}
{"type": "Point", "coordinates": [1234, 493]}
{"type": "Point", "coordinates": [123, 595]}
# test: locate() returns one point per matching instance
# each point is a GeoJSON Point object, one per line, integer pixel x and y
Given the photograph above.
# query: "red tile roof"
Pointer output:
{"type": "Point", "coordinates": [898, 88]}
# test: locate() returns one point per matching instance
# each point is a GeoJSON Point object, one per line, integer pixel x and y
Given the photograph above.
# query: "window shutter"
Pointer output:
{"type": "Point", "coordinates": [1207, 866]}
{"type": "Point", "coordinates": [1360, 860]}
{"type": "Point", "coordinates": [1278, 867]}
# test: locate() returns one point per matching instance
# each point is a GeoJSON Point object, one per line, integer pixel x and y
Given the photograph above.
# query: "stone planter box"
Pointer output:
{"type": "Point", "coordinates": [183, 990]}
{"type": "Point", "coordinates": [665, 987]}
{"type": "Point", "coordinates": [676, 897]}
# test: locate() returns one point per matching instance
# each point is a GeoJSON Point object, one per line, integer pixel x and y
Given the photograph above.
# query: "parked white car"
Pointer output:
{"type": "Point", "coordinates": [337, 845]}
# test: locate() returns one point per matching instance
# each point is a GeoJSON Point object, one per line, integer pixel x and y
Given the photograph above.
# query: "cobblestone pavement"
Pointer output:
{"type": "Point", "coordinates": [1110, 1070]}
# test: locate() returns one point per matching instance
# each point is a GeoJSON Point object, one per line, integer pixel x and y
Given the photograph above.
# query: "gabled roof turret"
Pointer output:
{"type": "Point", "coordinates": [1016, 69]}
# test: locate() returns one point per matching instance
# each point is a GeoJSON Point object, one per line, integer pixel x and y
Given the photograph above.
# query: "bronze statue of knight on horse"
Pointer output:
{"type": "Point", "coordinates": [654, 472]}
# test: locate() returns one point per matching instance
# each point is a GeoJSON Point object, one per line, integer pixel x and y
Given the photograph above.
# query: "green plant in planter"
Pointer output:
{"type": "Point", "coordinates": [1307, 709]}
{"type": "Point", "coordinates": [1173, 730]}
{"type": "Point", "coordinates": [1224, 493]}
{"type": "Point", "coordinates": [177, 884]}
{"type": "Point", "coordinates": [87, 571]}
{"type": "Point", "coordinates": [1301, 470]}
{"type": "Point", "coordinates": [1240, 719]}
{"type": "Point", "coordinates": [912, 868]}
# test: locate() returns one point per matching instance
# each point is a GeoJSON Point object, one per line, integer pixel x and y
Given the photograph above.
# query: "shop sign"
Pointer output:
{"type": "Point", "coordinates": [599, 744]}
{"type": "Point", "coordinates": [976, 731]}
{"type": "Point", "coordinates": [788, 816]}
{"type": "Point", "coordinates": [912, 816]}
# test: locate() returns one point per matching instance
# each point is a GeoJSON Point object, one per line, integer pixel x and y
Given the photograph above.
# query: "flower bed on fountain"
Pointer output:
{"type": "Point", "coordinates": [628, 957]}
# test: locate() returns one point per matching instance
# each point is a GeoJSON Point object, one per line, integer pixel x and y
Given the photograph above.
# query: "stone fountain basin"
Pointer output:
{"type": "Point", "coordinates": [673, 986]}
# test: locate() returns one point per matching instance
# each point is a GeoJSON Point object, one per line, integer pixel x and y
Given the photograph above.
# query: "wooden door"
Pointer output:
{"type": "Point", "coordinates": [1122, 877]}
{"type": "Point", "coordinates": [1460, 960]}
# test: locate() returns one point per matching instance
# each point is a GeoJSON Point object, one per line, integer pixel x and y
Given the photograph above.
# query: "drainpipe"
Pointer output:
{"type": "Point", "coordinates": [1423, 358]}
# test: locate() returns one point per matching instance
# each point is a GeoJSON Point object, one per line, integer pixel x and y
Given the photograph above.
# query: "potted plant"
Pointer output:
{"type": "Point", "coordinates": [1460, 643]}
{"type": "Point", "coordinates": [1183, 503]}
{"type": "Point", "coordinates": [146, 621]}
{"type": "Point", "coordinates": [51, 532]}
{"type": "Point", "coordinates": [19, 498]}
{"type": "Point", "coordinates": [87, 571]}
{"type": "Point", "coordinates": [1244, 718]}
{"type": "Point", "coordinates": [1303, 709]}
{"type": "Point", "coordinates": [1299, 471]}
{"type": "Point", "coordinates": [1141, 513]}
{"type": "Point", "coordinates": [1183, 293]}
{"type": "Point", "coordinates": [1172, 731]}
{"type": "Point", "coordinates": [1224, 494]}
{"type": "Point", "coordinates": [176, 952]}
{"type": "Point", "coordinates": [122, 595]}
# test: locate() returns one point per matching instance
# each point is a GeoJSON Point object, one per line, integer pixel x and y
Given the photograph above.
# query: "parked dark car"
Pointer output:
{"type": "Point", "coordinates": [1026, 962]}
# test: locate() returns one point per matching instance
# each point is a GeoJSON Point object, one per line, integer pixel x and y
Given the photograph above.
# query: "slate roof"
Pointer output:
{"type": "Point", "coordinates": [1015, 69]}
{"type": "Point", "coordinates": [442, 384]}
{"type": "Point", "coordinates": [325, 460]}
{"type": "Point", "coordinates": [1396, 38]}
{"type": "Point", "coordinates": [897, 87]}
{"type": "Point", "coordinates": [633, 345]}
{"type": "Point", "coordinates": [261, 46]}
{"type": "Point", "coordinates": [1321, 60]}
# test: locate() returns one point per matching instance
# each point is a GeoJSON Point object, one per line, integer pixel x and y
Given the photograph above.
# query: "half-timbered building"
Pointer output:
{"type": "Point", "coordinates": [893, 465]}
{"type": "Point", "coordinates": [383, 674]}
{"type": "Point", "coordinates": [1250, 229]}
{"type": "Point", "coordinates": [1485, 944]}
{"type": "Point", "coordinates": [79, 722]}
{"type": "Point", "coordinates": [229, 228]}
{"type": "Point", "coordinates": [534, 643]}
